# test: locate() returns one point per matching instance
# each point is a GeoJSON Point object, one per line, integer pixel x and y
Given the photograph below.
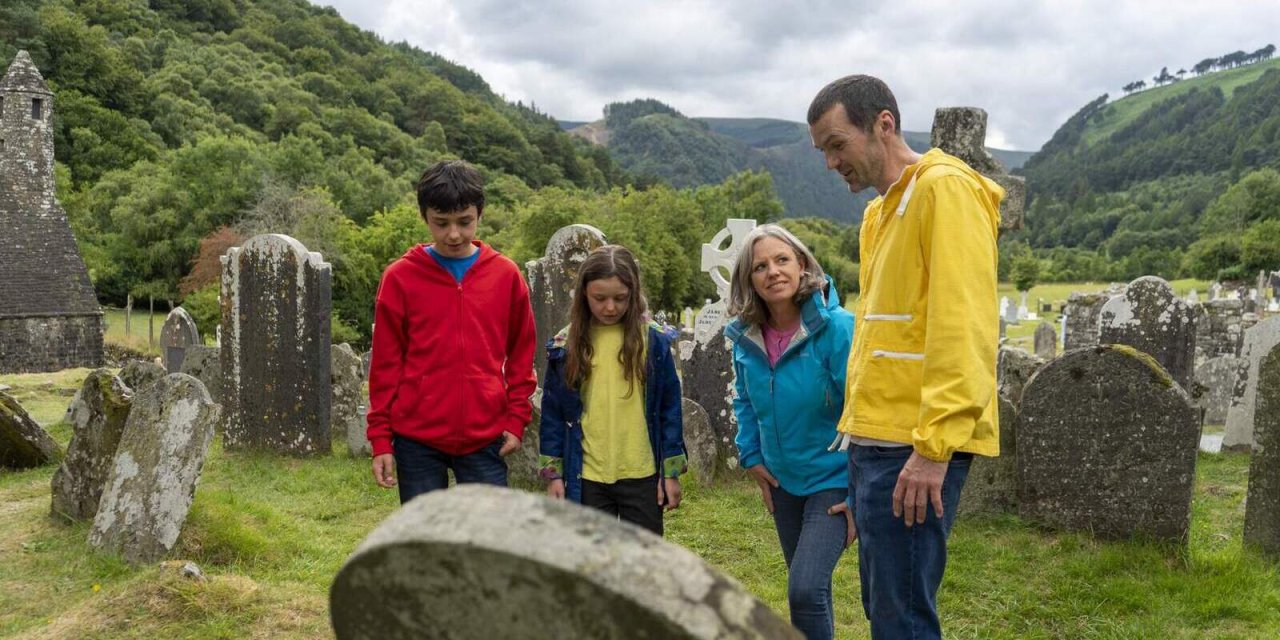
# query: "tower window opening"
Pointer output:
{"type": "Point", "coordinates": [37, 108]}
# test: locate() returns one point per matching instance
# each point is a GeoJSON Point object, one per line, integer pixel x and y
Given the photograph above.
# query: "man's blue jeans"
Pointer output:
{"type": "Point", "coordinates": [812, 542]}
{"type": "Point", "coordinates": [900, 567]}
{"type": "Point", "coordinates": [421, 468]}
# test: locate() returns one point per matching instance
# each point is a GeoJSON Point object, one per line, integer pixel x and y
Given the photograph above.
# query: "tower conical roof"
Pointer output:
{"type": "Point", "coordinates": [24, 76]}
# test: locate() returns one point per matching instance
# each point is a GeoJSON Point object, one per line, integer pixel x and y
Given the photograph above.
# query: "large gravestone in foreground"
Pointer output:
{"type": "Point", "coordinates": [276, 306]}
{"type": "Point", "coordinates": [98, 418]}
{"type": "Point", "coordinates": [1259, 340]}
{"type": "Point", "coordinates": [450, 564]}
{"type": "Point", "coordinates": [23, 443]}
{"type": "Point", "coordinates": [551, 280]}
{"type": "Point", "coordinates": [1107, 443]}
{"type": "Point", "coordinates": [178, 334]}
{"type": "Point", "coordinates": [152, 480]}
{"type": "Point", "coordinates": [1262, 510]}
{"type": "Point", "coordinates": [1150, 318]}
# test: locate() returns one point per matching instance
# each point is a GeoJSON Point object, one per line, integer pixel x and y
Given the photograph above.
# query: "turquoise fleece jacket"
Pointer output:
{"type": "Point", "coordinates": [787, 413]}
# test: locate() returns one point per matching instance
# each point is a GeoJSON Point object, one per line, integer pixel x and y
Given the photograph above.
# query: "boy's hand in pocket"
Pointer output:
{"type": "Point", "coordinates": [510, 443]}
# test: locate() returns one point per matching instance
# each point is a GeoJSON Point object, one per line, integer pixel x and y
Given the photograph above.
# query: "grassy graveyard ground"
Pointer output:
{"type": "Point", "coordinates": [136, 339]}
{"type": "Point", "coordinates": [270, 533]}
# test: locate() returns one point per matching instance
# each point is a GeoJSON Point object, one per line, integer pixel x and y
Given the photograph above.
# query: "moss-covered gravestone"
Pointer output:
{"type": "Point", "coordinates": [1107, 443]}
{"type": "Point", "coordinates": [480, 563]}
{"type": "Point", "coordinates": [1262, 511]}
{"type": "Point", "coordinates": [23, 443]}
{"type": "Point", "coordinates": [98, 418]}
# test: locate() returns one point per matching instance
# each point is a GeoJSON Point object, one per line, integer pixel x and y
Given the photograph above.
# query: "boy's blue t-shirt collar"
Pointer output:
{"type": "Point", "coordinates": [457, 267]}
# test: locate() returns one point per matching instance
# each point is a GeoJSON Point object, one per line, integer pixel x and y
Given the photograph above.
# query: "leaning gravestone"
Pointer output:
{"type": "Point", "coordinates": [446, 565]}
{"type": "Point", "coordinates": [177, 335]}
{"type": "Point", "coordinates": [1014, 367]}
{"type": "Point", "coordinates": [344, 371]}
{"type": "Point", "coordinates": [1216, 380]}
{"type": "Point", "coordinates": [992, 486]}
{"type": "Point", "coordinates": [1262, 507]}
{"type": "Point", "coordinates": [1107, 443]}
{"type": "Point", "coordinates": [962, 132]}
{"type": "Point", "coordinates": [23, 443]}
{"type": "Point", "coordinates": [140, 374]}
{"type": "Point", "coordinates": [98, 422]}
{"type": "Point", "coordinates": [276, 307]}
{"type": "Point", "coordinates": [1046, 341]}
{"type": "Point", "coordinates": [201, 362]}
{"type": "Point", "coordinates": [705, 452]}
{"type": "Point", "coordinates": [551, 280]}
{"type": "Point", "coordinates": [1150, 318]}
{"type": "Point", "coordinates": [153, 477]}
{"type": "Point", "coordinates": [1259, 340]}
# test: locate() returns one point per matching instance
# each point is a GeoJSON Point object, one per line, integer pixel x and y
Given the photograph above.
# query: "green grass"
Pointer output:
{"type": "Point", "coordinates": [137, 338]}
{"type": "Point", "coordinates": [271, 533]}
{"type": "Point", "coordinates": [1128, 108]}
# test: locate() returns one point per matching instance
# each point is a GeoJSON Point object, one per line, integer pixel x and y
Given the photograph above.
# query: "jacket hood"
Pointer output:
{"type": "Point", "coordinates": [993, 192]}
{"type": "Point", "coordinates": [813, 313]}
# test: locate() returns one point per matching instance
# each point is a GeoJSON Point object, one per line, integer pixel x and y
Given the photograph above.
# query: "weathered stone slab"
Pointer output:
{"type": "Point", "coordinates": [1219, 328]}
{"type": "Point", "coordinates": [448, 565]}
{"type": "Point", "coordinates": [992, 486]}
{"type": "Point", "coordinates": [523, 463]}
{"type": "Point", "coordinates": [1150, 318]}
{"type": "Point", "coordinates": [1107, 443]}
{"type": "Point", "coordinates": [708, 381]}
{"type": "Point", "coordinates": [1014, 367]}
{"type": "Point", "coordinates": [551, 280]}
{"type": "Point", "coordinates": [157, 465]}
{"type": "Point", "coordinates": [705, 452]}
{"type": "Point", "coordinates": [177, 335]}
{"type": "Point", "coordinates": [1262, 508]}
{"type": "Point", "coordinates": [23, 443]}
{"type": "Point", "coordinates": [962, 132]}
{"type": "Point", "coordinates": [1259, 340]}
{"type": "Point", "coordinates": [98, 421]}
{"type": "Point", "coordinates": [140, 374]}
{"type": "Point", "coordinates": [1046, 341]}
{"type": "Point", "coordinates": [344, 372]}
{"type": "Point", "coordinates": [1216, 381]}
{"type": "Point", "coordinates": [276, 308]}
{"type": "Point", "coordinates": [1082, 311]}
{"type": "Point", "coordinates": [202, 363]}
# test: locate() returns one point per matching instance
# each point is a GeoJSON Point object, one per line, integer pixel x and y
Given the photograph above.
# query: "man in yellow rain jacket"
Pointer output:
{"type": "Point", "coordinates": [920, 397]}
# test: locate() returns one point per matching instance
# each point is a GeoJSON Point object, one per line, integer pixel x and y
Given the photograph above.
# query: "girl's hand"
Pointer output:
{"type": "Point", "coordinates": [555, 489]}
{"type": "Point", "coordinates": [766, 481]}
{"type": "Point", "coordinates": [671, 488]}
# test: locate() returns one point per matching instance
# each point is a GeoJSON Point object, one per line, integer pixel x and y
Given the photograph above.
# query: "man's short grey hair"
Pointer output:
{"type": "Point", "coordinates": [744, 302]}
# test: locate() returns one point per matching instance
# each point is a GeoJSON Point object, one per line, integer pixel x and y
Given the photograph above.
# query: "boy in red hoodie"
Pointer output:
{"type": "Point", "coordinates": [453, 342]}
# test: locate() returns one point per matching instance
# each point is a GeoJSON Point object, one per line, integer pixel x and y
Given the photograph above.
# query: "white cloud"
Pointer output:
{"type": "Point", "coordinates": [1029, 64]}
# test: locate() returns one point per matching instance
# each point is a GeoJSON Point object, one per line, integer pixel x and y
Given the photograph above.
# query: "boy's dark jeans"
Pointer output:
{"type": "Point", "coordinates": [901, 567]}
{"type": "Point", "coordinates": [421, 468]}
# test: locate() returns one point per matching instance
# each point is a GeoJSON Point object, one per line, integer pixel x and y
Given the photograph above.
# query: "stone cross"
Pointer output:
{"type": "Point", "coordinates": [276, 308]}
{"type": "Point", "coordinates": [962, 132]}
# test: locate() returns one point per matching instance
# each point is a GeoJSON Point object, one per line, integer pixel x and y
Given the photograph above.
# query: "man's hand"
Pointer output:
{"type": "Point", "coordinates": [766, 480]}
{"type": "Point", "coordinates": [919, 483]}
{"type": "Point", "coordinates": [555, 489]}
{"type": "Point", "coordinates": [509, 444]}
{"type": "Point", "coordinates": [670, 488]}
{"type": "Point", "coordinates": [384, 470]}
{"type": "Point", "coordinates": [843, 507]}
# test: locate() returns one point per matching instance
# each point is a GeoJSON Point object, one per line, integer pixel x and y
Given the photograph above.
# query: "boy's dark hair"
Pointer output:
{"type": "Point", "coordinates": [450, 186]}
{"type": "Point", "coordinates": [863, 97]}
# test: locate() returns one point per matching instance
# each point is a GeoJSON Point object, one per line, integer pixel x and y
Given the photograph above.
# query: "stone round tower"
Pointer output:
{"type": "Point", "coordinates": [26, 130]}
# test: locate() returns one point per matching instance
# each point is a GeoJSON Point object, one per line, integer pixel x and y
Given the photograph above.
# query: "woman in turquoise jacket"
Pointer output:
{"type": "Point", "coordinates": [791, 341]}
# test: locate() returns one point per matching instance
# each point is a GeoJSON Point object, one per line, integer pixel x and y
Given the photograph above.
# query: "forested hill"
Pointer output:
{"type": "Point", "coordinates": [655, 141]}
{"type": "Point", "coordinates": [1176, 180]}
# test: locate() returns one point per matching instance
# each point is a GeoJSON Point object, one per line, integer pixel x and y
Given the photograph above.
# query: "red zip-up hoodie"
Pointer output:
{"type": "Point", "coordinates": [452, 363]}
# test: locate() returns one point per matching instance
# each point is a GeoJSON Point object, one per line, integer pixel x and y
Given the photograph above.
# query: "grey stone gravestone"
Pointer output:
{"type": "Point", "coordinates": [1259, 340]}
{"type": "Point", "coordinates": [1219, 328]}
{"type": "Point", "coordinates": [992, 486]}
{"type": "Point", "coordinates": [1107, 443]}
{"type": "Point", "coordinates": [344, 372]}
{"type": "Point", "coordinates": [140, 374]}
{"type": "Point", "coordinates": [962, 132]}
{"type": "Point", "coordinates": [1014, 367]}
{"type": "Point", "coordinates": [448, 565]}
{"type": "Point", "coordinates": [523, 463]}
{"type": "Point", "coordinates": [98, 422]}
{"type": "Point", "coordinates": [704, 449]}
{"type": "Point", "coordinates": [1216, 380]}
{"type": "Point", "coordinates": [551, 280]}
{"type": "Point", "coordinates": [1046, 341]}
{"type": "Point", "coordinates": [202, 363]}
{"type": "Point", "coordinates": [23, 443]}
{"type": "Point", "coordinates": [1262, 507]}
{"type": "Point", "coordinates": [1082, 311]}
{"type": "Point", "coordinates": [1151, 319]}
{"type": "Point", "coordinates": [177, 335]}
{"type": "Point", "coordinates": [276, 307]}
{"type": "Point", "coordinates": [157, 465]}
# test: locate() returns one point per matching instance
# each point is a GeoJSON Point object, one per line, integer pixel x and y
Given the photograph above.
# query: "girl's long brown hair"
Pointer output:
{"type": "Point", "coordinates": [603, 263]}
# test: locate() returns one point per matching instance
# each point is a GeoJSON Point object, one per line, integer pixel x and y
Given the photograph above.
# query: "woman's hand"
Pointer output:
{"type": "Point", "coordinates": [767, 483]}
{"type": "Point", "coordinates": [843, 507]}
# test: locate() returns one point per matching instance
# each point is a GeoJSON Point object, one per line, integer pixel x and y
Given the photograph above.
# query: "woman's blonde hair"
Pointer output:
{"type": "Point", "coordinates": [744, 302]}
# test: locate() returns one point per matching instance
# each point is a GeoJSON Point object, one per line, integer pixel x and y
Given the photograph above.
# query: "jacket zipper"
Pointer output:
{"type": "Point", "coordinates": [893, 317]}
{"type": "Point", "coordinates": [896, 355]}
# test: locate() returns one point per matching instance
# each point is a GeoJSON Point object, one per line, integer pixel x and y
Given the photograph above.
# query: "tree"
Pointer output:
{"type": "Point", "coordinates": [1260, 246]}
{"type": "Point", "coordinates": [1025, 272]}
{"type": "Point", "coordinates": [206, 267]}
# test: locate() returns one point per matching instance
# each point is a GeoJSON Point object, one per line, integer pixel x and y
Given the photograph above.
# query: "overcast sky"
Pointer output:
{"type": "Point", "coordinates": [1030, 64]}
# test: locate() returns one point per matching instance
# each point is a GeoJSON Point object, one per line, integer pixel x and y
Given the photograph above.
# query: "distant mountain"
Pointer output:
{"type": "Point", "coordinates": [686, 151]}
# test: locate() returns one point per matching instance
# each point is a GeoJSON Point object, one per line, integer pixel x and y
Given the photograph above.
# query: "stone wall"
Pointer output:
{"type": "Point", "coordinates": [50, 343]}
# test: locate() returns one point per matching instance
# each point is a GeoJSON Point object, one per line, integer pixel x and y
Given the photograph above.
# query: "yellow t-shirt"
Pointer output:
{"type": "Point", "coordinates": [615, 437]}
